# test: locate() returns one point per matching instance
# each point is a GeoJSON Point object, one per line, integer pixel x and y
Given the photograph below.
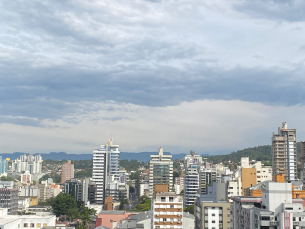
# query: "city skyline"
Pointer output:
{"type": "Point", "coordinates": [210, 76]}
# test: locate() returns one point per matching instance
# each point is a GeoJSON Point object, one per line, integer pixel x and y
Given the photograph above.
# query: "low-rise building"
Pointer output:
{"type": "Point", "coordinates": [275, 209]}
{"type": "Point", "coordinates": [25, 221]}
{"type": "Point", "coordinates": [212, 210]}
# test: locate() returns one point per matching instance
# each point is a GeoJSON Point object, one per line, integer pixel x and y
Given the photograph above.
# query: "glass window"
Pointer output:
{"type": "Point", "coordinates": [38, 225]}
{"type": "Point", "coordinates": [32, 225]}
{"type": "Point", "coordinates": [25, 225]}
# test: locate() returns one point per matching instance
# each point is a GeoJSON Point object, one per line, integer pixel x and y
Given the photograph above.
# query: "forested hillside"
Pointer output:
{"type": "Point", "coordinates": [259, 153]}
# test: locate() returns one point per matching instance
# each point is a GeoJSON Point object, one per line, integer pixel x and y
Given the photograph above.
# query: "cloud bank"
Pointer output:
{"type": "Point", "coordinates": [212, 76]}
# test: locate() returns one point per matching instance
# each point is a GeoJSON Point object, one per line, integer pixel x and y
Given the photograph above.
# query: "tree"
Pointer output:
{"type": "Point", "coordinates": [86, 215]}
{"type": "Point", "coordinates": [62, 203]}
{"type": "Point", "coordinates": [189, 209]}
{"type": "Point", "coordinates": [131, 189]}
{"type": "Point", "coordinates": [56, 178]}
{"type": "Point", "coordinates": [73, 214]}
{"type": "Point", "coordinates": [7, 179]}
{"type": "Point", "coordinates": [143, 206]}
{"type": "Point", "coordinates": [175, 174]}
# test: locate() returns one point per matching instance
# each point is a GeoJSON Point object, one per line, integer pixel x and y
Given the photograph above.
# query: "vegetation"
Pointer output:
{"type": "Point", "coordinates": [175, 174]}
{"type": "Point", "coordinates": [47, 202]}
{"type": "Point", "coordinates": [189, 209]}
{"type": "Point", "coordinates": [132, 165]}
{"type": "Point", "coordinates": [56, 178]}
{"type": "Point", "coordinates": [62, 203]}
{"type": "Point", "coordinates": [7, 179]}
{"type": "Point", "coordinates": [258, 153]}
{"type": "Point", "coordinates": [143, 205]}
{"type": "Point", "coordinates": [53, 162]}
{"type": "Point", "coordinates": [83, 173]}
{"type": "Point", "coordinates": [82, 164]}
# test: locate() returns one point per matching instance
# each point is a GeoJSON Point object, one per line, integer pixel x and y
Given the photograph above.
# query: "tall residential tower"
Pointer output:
{"type": "Point", "coordinates": [160, 171]}
{"type": "Point", "coordinates": [284, 153]}
{"type": "Point", "coordinates": [105, 163]}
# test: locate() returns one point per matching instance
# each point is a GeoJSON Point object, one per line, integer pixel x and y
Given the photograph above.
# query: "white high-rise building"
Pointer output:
{"type": "Point", "coordinates": [105, 163]}
{"type": "Point", "coordinates": [192, 165]}
{"type": "Point", "coordinates": [284, 153]}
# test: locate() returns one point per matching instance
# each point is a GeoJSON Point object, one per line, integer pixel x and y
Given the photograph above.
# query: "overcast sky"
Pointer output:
{"type": "Point", "coordinates": [211, 76]}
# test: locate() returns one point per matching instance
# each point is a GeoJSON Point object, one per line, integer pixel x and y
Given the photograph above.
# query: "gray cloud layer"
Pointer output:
{"type": "Point", "coordinates": [58, 58]}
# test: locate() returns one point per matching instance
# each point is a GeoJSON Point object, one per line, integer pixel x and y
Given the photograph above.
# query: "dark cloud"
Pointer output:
{"type": "Point", "coordinates": [280, 10]}
{"type": "Point", "coordinates": [60, 55]}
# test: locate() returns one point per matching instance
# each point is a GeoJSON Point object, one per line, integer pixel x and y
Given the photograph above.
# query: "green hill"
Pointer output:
{"type": "Point", "coordinates": [258, 153]}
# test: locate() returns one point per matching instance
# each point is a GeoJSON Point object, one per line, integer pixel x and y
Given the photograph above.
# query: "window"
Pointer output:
{"type": "Point", "coordinates": [172, 206]}
{"type": "Point", "coordinates": [213, 221]}
{"type": "Point", "coordinates": [164, 219]}
{"type": "Point", "coordinates": [25, 225]}
{"type": "Point", "coordinates": [162, 199]}
{"type": "Point", "coordinates": [171, 199]}
{"type": "Point", "coordinates": [213, 214]}
{"type": "Point", "coordinates": [213, 207]}
{"type": "Point", "coordinates": [45, 224]}
{"type": "Point", "coordinates": [32, 225]}
{"type": "Point", "coordinates": [38, 225]}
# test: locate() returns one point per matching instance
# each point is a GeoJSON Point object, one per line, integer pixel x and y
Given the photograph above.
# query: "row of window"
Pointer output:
{"type": "Point", "coordinates": [32, 225]}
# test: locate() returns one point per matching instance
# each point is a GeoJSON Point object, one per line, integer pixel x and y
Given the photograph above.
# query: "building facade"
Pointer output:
{"type": "Point", "coordinates": [3, 166]}
{"type": "Point", "coordinates": [9, 199]}
{"type": "Point", "coordinates": [67, 171]}
{"type": "Point", "coordinates": [275, 209]}
{"type": "Point", "coordinates": [160, 171]}
{"type": "Point", "coordinates": [303, 161]}
{"type": "Point", "coordinates": [192, 165]}
{"type": "Point", "coordinates": [284, 153]}
{"type": "Point", "coordinates": [167, 209]}
{"type": "Point", "coordinates": [105, 163]}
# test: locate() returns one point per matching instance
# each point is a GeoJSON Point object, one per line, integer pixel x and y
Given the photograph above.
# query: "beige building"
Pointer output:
{"type": "Point", "coordinates": [67, 171]}
{"type": "Point", "coordinates": [167, 209]}
{"type": "Point", "coordinates": [213, 214]}
{"type": "Point", "coordinates": [284, 153]}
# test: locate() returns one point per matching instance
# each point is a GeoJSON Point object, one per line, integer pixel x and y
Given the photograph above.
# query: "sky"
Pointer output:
{"type": "Point", "coordinates": [209, 76]}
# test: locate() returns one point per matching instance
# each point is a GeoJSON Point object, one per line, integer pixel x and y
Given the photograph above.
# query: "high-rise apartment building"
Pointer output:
{"type": "Point", "coordinates": [284, 153]}
{"type": "Point", "coordinates": [303, 161]}
{"type": "Point", "coordinates": [30, 163]}
{"type": "Point", "coordinates": [192, 164]}
{"type": "Point", "coordinates": [160, 171]}
{"type": "Point", "coordinates": [67, 171]}
{"type": "Point", "coordinates": [167, 209]}
{"type": "Point", "coordinates": [105, 163]}
{"type": "Point", "coordinates": [207, 177]}
{"type": "Point", "coordinates": [3, 166]}
{"type": "Point", "coordinates": [9, 196]}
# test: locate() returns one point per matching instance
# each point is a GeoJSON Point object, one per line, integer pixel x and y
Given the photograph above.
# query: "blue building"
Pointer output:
{"type": "Point", "coordinates": [3, 165]}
